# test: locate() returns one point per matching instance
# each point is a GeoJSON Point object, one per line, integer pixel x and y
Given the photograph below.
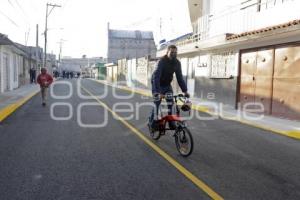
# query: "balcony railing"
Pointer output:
{"type": "Point", "coordinates": [244, 17]}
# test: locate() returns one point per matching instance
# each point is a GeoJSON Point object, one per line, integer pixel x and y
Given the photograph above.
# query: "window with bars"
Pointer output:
{"type": "Point", "coordinates": [222, 65]}
{"type": "Point", "coordinates": [267, 4]}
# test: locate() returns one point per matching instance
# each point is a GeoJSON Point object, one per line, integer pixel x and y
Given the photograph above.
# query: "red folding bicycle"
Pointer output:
{"type": "Point", "coordinates": [183, 137]}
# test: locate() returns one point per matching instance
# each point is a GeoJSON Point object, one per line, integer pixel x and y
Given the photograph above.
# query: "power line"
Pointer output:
{"type": "Point", "coordinates": [12, 21]}
{"type": "Point", "coordinates": [64, 5]}
{"type": "Point", "coordinates": [11, 3]}
{"type": "Point", "coordinates": [18, 4]}
{"type": "Point", "coordinates": [25, 16]}
{"type": "Point", "coordinates": [23, 11]}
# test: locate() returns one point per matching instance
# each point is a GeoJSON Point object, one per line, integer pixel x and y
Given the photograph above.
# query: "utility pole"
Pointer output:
{"type": "Point", "coordinates": [38, 61]}
{"type": "Point", "coordinates": [37, 36]}
{"type": "Point", "coordinates": [46, 28]}
{"type": "Point", "coordinates": [60, 51]}
{"type": "Point", "coordinates": [27, 36]}
{"type": "Point", "coordinates": [160, 27]}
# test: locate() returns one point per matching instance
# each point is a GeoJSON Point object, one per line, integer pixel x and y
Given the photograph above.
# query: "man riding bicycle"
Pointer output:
{"type": "Point", "coordinates": [161, 84]}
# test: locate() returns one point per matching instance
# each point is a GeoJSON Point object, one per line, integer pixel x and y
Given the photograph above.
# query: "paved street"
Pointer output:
{"type": "Point", "coordinates": [43, 158]}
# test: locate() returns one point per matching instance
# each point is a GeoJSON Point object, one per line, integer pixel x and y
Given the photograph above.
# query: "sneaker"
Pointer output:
{"type": "Point", "coordinates": [44, 104]}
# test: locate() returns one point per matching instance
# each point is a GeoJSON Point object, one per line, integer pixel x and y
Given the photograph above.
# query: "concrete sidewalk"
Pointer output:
{"type": "Point", "coordinates": [284, 127]}
{"type": "Point", "coordinates": [12, 100]}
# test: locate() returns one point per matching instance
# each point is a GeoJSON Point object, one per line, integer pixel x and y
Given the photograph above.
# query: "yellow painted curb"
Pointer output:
{"type": "Point", "coordinates": [290, 133]}
{"type": "Point", "coordinates": [293, 134]}
{"type": "Point", "coordinates": [8, 110]}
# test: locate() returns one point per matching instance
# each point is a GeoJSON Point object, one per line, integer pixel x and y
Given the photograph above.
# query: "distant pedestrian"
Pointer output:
{"type": "Point", "coordinates": [44, 80]}
{"type": "Point", "coordinates": [32, 74]}
{"type": "Point", "coordinates": [56, 74]}
{"type": "Point", "coordinates": [64, 74]}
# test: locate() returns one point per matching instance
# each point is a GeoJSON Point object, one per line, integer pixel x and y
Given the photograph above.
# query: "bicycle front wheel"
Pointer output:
{"type": "Point", "coordinates": [184, 142]}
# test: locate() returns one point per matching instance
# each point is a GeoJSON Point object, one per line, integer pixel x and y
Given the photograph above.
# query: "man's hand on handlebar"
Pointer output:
{"type": "Point", "coordinates": [186, 94]}
{"type": "Point", "coordinates": [163, 96]}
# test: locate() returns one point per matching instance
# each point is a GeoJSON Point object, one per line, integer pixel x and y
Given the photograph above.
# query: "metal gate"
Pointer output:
{"type": "Point", "coordinates": [272, 78]}
{"type": "Point", "coordinates": [263, 79]}
{"type": "Point", "coordinates": [256, 80]}
{"type": "Point", "coordinates": [247, 87]}
{"type": "Point", "coordinates": [286, 95]}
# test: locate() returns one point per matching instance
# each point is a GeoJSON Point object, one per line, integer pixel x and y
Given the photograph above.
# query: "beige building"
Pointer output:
{"type": "Point", "coordinates": [129, 44]}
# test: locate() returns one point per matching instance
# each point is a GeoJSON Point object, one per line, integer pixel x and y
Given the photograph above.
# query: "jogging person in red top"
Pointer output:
{"type": "Point", "coordinates": [44, 80]}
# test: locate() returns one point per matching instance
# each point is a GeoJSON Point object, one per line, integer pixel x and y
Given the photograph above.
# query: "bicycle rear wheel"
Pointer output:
{"type": "Point", "coordinates": [154, 134]}
{"type": "Point", "coordinates": [184, 142]}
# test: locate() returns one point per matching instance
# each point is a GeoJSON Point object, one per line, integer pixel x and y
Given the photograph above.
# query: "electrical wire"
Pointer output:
{"type": "Point", "coordinates": [9, 19]}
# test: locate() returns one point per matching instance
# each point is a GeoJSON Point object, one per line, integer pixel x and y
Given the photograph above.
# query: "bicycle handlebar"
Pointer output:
{"type": "Point", "coordinates": [181, 97]}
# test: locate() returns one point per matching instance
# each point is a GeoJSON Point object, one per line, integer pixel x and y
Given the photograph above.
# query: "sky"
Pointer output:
{"type": "Point", "coordinates": [82, 25]}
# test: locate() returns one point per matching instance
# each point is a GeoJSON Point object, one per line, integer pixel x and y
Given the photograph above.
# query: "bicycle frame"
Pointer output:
{"type": "Point", "coordinates": [168, 118]}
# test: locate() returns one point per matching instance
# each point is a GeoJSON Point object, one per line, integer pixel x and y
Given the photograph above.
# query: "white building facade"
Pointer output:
{"type": "Point", "coordinates": [11, 65]}
{"type": "Point", "coordinates": [244, 51]}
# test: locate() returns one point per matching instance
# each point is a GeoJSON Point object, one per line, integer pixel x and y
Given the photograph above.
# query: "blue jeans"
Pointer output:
{"type": "Point", "coordinates": [168, 92]}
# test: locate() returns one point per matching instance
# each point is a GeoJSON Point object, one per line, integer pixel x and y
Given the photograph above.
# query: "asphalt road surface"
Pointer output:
{"type": "Point", "coordinates": [75, 148]}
